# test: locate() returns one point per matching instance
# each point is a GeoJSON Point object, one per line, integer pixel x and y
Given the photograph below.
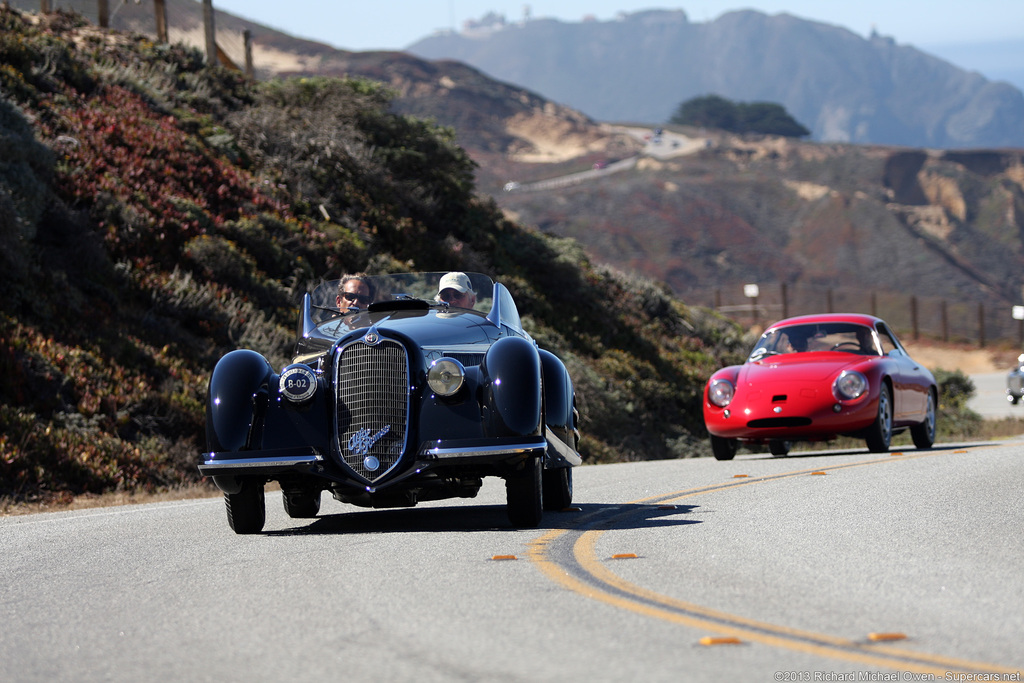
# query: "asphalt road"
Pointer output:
{"type": "Point", "coordinates": [989, 398]}
{"type": "Point", "coordinates": [757, 569]}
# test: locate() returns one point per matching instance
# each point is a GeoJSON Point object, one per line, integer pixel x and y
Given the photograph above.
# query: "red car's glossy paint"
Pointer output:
{"type": "Point", "coordinates": [783, 394]}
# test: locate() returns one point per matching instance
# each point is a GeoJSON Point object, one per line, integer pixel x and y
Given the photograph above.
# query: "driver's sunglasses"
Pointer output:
{"type": "Point", "coordinates": [358, 298]}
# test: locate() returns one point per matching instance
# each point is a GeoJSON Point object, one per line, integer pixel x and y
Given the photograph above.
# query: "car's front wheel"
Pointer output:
{"type": "Point", "coordinates": [301, 504]}
{"type": "Point", "coordinates": [778, 447]}
{"type": "Point", "coordinates": [524, 494]}
{"type": "Point", "coordinates": [247, 509]}
{"type": "Point", "coordinates": [557, 488]}
{"type": "Point", "coordinates": [879, 434]}
{"type": "Point", "coordinates": [923, 434]}
{"type": "Point", "coordinates": [723, 449]}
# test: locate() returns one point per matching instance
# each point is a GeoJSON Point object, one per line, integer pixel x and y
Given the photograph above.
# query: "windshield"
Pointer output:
{"type": "Point", "coordinates": [460, 290]}
{"type": "Point", "coordinates": [847, 337]}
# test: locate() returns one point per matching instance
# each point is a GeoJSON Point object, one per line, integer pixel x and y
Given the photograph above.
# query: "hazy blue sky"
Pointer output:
{"type": "Point", "coordinates": [983, 35]}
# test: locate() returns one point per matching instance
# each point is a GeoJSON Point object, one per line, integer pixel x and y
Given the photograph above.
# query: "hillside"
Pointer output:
{"type": "Point", "coordinates": [155, 213]}
{"type": "Point", "coordinates": [854, 218]}
{"type": "Point", "coordinates": [639, 68]}
{"type": "Point", "coordinates": [844, 88]}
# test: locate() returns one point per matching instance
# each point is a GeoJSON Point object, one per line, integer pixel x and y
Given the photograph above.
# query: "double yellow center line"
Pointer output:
{"type": "Point", "coordinates": [569, 558]}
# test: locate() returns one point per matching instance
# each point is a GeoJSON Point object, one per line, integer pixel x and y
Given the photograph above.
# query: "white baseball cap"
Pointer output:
{"type": "Point", "coordinates": [455, 280]}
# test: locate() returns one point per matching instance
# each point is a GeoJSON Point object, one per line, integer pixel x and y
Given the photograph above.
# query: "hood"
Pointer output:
{"type": "Point", "coordinates": [802, 367]}
{"type": "Point", "coordinates": [424, 327]}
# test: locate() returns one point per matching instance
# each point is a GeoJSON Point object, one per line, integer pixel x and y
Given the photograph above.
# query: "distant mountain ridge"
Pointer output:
{"type": "Point", "coordinates": [843, 87]}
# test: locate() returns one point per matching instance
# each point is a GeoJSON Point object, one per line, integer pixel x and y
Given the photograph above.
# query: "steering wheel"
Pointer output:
{"type": "Point", "coordinates": [838, 346]}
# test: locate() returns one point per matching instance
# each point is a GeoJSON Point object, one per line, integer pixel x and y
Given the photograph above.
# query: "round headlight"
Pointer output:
{"type": "Point", "coordinates": [445, 376]}
{"type": "Point", "coordinates": [720, 392]}
{"type": "Point", "coordinates": [297, 383]}
{"type": "Point", "coordinates": [849, 385]}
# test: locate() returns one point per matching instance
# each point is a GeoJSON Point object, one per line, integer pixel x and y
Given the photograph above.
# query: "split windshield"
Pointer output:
{"type": "Point", "coordinates": [328, 300]}
{"type": "Point", "coordinates": [846, 337]}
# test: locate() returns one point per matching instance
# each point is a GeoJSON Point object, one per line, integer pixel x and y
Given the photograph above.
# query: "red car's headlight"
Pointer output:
{"type": "Point", "coordinates": [849, 385]}
{"type": "Point", "coordinates": [720, 392]}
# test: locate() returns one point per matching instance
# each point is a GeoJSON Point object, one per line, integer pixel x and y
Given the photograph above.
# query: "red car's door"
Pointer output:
{"type": "Point", "coordinates": [910, 382]}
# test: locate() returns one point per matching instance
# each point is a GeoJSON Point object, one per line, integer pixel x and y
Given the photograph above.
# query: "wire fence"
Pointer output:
{"type": "Point", "coordinates": [912, 316]}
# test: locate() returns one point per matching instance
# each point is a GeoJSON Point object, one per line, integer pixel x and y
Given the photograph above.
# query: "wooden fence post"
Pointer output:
{"type": "Point", "coordinates": [945, 322]}
{"type": "Point", "coordinates": [247, 37]}
{"type": "Point", "coordinates": [44, 6]}
{"type": "Point", "coordinates": [785, 301]}
{"type": "Point", "coordinates": [913, 317]}
{"type": "Point", "coordinates": [211, 33]}
{"type": "Point", "coordinates": [981, 325]}
{"type": "Point", "coordinates": [103, 13]}
{"type": "Point", "coordinates": [829, 300]}
{"type": "Point", "coordinates": [160, 10]}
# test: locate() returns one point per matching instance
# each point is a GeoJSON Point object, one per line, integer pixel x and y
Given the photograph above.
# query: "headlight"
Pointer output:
{"type": "Point", "coordinates": [721, 392]}
{"type": "Point", "coordinates": [849, 385]}
{"type": "Point", "coordinates": [445, 376]}
{"type": "Point", "coordinates": [297, 383]}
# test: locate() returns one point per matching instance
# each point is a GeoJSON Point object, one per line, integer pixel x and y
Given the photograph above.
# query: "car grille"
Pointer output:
{"type": "Point", "coordinates": [467, 359]}
{"type": "Point", "coordinates": [372, 384]}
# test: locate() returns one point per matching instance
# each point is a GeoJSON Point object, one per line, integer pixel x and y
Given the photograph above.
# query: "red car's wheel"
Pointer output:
{"type": "Point", "coordinates": [879, 434]}
{"type": "Point", "coordinates": [924, 434]}
{"type": "Point", "coordinates": [723, 449]}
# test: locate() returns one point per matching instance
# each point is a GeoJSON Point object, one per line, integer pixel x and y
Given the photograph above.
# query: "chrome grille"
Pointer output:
{"type": "Point", "coordinates": [467, 359]}
{"type": "Point", "coordinates": [372, 384]}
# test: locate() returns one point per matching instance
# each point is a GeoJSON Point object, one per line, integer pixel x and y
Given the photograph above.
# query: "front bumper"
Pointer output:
{"type": "Point", "coordinates": [271, 464]}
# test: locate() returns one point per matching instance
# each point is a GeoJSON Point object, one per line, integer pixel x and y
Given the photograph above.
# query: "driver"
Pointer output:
{"type": "Point", "coordinates": [455, 289]}
{"type": "Point", "coordinates": [354, 292]}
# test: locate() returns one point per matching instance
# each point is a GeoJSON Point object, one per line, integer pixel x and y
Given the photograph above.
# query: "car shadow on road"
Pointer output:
{"type": "Point", "coordinates": [476, 518]}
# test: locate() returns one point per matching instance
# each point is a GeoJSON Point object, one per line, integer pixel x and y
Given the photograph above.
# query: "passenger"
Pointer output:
{"type": "Point", "coordinates": [796, 342]}
{"type": "Point", "coordinates": [354, 292]}
{"type": "Point", "coordinates": [866, 341]}
{"type": "Point", "coordinates": [455, 289]}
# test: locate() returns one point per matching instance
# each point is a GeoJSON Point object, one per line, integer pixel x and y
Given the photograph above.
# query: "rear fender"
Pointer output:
{"type": "Point", "coordinates": [558, 397]}
{"type": "Point", "coordinates": [512, 388]}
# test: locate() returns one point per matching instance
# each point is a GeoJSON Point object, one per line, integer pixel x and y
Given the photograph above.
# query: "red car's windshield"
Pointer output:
{"type": "Point", "coordinates": [847, 337]}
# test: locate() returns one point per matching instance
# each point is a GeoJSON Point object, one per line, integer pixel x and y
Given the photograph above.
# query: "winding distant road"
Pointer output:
{"type": "Point", "coordinates": [661, 146]}
{"type": "Point", "coordinates": [756, 569]}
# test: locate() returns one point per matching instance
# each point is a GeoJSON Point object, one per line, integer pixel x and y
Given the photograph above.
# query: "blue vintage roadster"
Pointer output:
{"type": "Point", "coordinates": [395, 396]}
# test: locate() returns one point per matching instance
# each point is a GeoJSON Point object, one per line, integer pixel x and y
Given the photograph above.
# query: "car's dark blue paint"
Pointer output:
{"type": "Point", "coordinates": [512, 394]}
{"type": "Point", "coordinates": [515, 406]}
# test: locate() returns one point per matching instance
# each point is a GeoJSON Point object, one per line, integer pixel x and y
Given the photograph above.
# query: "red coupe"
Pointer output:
{"type": "Point", "coordinates": [815, 377]}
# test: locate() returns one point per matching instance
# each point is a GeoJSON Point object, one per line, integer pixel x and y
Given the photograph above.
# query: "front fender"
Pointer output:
{"type": "Point", "coordinates": [512, 403]}
{"type": "Point", "coordinates": [237, 382]}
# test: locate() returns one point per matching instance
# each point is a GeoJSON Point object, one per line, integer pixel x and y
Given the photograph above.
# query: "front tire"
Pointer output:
{"type": "Point", "coordinates": [524, 494]}
{"type": "Point", "coordinates": [778, 447]}
{"type": "Point", "coordinates": [301, 504]}
{"type": "Point", "coordinates": [879, 434]}
{"type": "Point", "coordinates": [557, 488]}
{"type": "Point", "coordinates": [247, 509]}
{"type": "Point", "coordinates": [723, 449]}
{"type": "Point", "coordinates": [924, 434]}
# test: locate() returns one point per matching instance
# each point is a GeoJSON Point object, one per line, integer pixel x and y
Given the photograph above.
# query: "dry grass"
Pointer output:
{"type": "Point", "coordinates": [68, 501]}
